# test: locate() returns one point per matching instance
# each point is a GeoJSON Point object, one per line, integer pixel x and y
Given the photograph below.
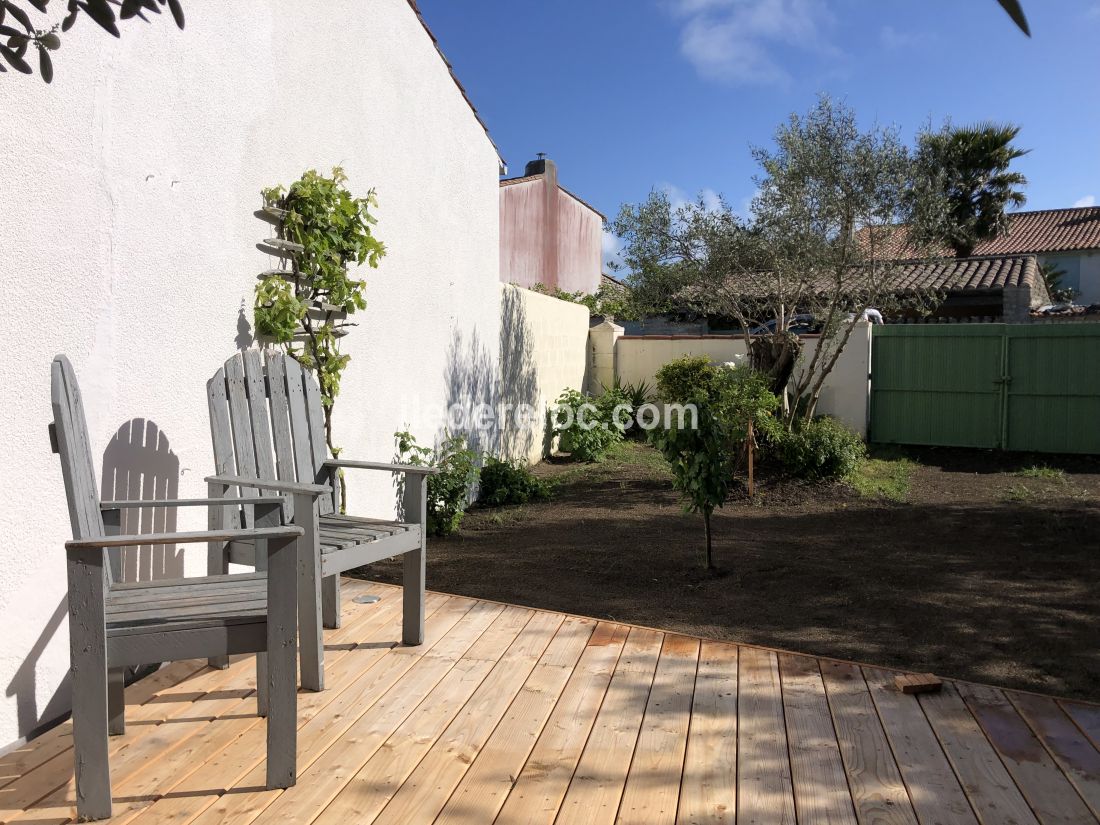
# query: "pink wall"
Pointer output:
{"type": "Point", "coordinates": [522, 223]}
{"type": "Point", "coordinates": [580, 245]}
{"type": "Point", "coordinates": [547, 236]}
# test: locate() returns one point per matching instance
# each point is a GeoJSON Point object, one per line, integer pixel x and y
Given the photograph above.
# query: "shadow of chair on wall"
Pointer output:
{"type": "Point", "coordinates": [139, 465]}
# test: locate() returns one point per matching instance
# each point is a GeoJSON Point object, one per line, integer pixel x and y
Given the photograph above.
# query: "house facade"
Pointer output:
{"type": "Point", "coordinates": [548, 235]}
{"type": "Point", "coordinates": [130, 243]}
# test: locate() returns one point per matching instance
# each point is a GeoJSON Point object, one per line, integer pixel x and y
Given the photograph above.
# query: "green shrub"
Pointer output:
{"type": "Point", "coordinates": [636, 396]}
{"type": "Point", "coordinates": [506, 482]}
{"type": "Point", "coordinates": [680, 380]}
{"type": "Point", "coordinates": [587, 443]}
{"type": "Point", "coordinates": [449, 489]}
{"type": "Point", "coordinates": [820, 449]}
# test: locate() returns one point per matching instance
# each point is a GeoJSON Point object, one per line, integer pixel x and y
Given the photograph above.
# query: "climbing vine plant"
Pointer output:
{"type": "Point", "coordinates": [324, 231]}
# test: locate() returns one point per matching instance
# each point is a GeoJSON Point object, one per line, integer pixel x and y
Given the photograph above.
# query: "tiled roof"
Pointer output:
{"type": "Point", "coordinates": [955, 274]}
{"type": "Point", "coordinates": [931, 275]}
{"type": "Point", "coordinates": [1050, 230]}
{"type": "Point", "coordinates": [454, 77]}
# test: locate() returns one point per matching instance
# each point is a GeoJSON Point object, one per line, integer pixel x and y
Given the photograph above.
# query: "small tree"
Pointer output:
{"type": "Point", "coordinates": [704, 450]}
{"type": "Point", "coordinates": [305, 307]}
{"type": "Point", "coordinates": [964, 184]}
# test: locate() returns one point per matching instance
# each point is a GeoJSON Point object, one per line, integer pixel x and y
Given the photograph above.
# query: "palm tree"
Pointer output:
{"type": "Point", "coordinates": [965, 184]}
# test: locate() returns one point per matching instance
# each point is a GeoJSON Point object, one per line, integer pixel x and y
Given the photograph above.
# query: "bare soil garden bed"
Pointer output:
{"type": "Point", "coordinates": [986, 569]}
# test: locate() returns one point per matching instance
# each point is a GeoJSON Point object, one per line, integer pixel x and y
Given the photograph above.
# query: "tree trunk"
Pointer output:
{"type": "Point", "coordinates": [710, 551]}
{"type": "Point", "coordinates": [775, 356]}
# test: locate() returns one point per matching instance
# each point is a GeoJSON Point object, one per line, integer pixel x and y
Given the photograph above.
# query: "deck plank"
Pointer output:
{"type": "Point", "coordinates": [878, 790]}
{"type": "Point", "coordinates": [821, 793]}
{"type": "Point", "coordinates": [542, 782]}
{"type": "Point", "coordinates": [1086, 717]}
{"type": "Point", "coordinates": [356, 674]}
{"type": "Point", "coordinates": [166, 737]}
{"type": "Point", "coordinates": [1069, 746]}
{"type": "Point", "coordinates": [428, 788]}
{"type": "Point", "coordinates": [485, 786]}
{"type": "Point", "coordinates": [513, 715]}
{"type": "Point", "coordinates": [358, 735]}
{"type": "Point", "coordinates": [597, 785]}
{"type": "Point", "coordinates": [652, 790]}
{"type": "Point", "coordinates": [989, 787]}
{"type": "Point", "coordinates": [1048, 791]}
{"type": "Point", "coordinates": [765, 794]}
{"type": "Point", "coordinates": [934, 790]}
{"type": "Point", "coordinates": [381, 754]}
{"type": "Point", "coordinates": [708, 790]}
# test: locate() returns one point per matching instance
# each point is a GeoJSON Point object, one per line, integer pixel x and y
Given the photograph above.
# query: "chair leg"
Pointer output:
{"type": "Point", "coordinates": [310, 635]}
{"type": "Point", "coordinates": [88, 658]}
{"type": "Point", "coordinates": [412, 597]}
{"type": "Point", "coordinates": [217, 564]}
{"type": "Point", "coordinates": [116, 701]}
{"type": "Point", "coordinates": [330, 601]}
{"type": "Point", "coordinates": [282, 718]}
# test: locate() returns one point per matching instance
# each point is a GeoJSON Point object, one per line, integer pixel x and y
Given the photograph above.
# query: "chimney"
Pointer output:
{"type": "Point", "coordinates": [540, 166]}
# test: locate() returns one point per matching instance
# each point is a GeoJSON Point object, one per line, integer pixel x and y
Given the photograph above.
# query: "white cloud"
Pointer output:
{"type": "Point", "coordinates": [612, 248]}
{"type": "Point", "coordinates": [737, 41]}
{"type": "Point", "coordinates": [679, 198]}
{"type": "Point", "coordinates": [1088, 200]}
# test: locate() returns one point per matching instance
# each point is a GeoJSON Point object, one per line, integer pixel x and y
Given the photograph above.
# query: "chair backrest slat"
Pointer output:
{"type": "Point", "coordinates": [315, 415]}
{"type": "Point", "coordinates": [240, 421]}
{"type": "Point", "coordinates": [299, 424]}
{"type": "Point", "coordinates": [257, 409]}
{"type": "Point", "coordinates": [267, 421]}
{"type": "Point", "coordinates": [280, 421]}
{"type": "Point", "coordinates": [221, 435]}
{"type": "Point", "coordinates": [72, 444]}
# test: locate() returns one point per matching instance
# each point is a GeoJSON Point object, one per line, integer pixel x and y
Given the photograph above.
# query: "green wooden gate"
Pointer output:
{"type": "Point", "coordinates": [1010, 386]}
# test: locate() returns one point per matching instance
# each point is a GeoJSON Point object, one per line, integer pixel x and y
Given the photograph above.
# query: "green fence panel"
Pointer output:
{"type": "Point", "coordinates": [1053, 396]}
{"type": "Point", "coordinates": [937, 385]}
{"type": "Point", "coordinates": [1018, 387]}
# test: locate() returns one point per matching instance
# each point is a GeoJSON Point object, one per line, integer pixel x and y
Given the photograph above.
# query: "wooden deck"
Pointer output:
{"type": "Point", "coordinates": [512, 715]}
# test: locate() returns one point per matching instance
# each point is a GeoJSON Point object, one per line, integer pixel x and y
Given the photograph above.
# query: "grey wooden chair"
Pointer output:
{"type": "Point", "coordinates": [113, 624]}
{"type": "Point", "coordinates": [268, 430]}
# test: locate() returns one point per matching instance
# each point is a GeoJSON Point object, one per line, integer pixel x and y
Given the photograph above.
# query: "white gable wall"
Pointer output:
{"type": "Point", "coordinates": [129, 244]}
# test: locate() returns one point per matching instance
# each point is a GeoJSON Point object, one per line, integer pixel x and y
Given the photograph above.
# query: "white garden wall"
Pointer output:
{"type": "Point", "coordinates": [845, 394]}
{"type": "Point", "coordinates": [129, 244]}
{"type": "Point", "coordinates": [543, 351]}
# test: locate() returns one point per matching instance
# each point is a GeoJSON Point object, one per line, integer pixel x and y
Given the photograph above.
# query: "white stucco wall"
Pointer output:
{"type": "Point", "coordinates": [543, 351]}
{"type": "Point", "coordinates": [845, 394]}
{"type": "Point", "coordinates": [129, 244]}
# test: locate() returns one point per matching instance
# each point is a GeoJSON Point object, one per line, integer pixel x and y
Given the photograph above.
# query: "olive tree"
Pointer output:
{"type": "Point", "coordinates": [830, 198]}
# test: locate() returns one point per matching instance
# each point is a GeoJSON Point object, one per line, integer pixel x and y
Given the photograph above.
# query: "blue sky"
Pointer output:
{"type": "Point", "coordinates": [631, 95]}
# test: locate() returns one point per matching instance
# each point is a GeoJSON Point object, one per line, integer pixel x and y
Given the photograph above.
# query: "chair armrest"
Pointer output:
{"type": "Point", "coordinates": [184, 502]}
{"type": "Point", "coordinates": [291, 487]}
{"type": "Point", "coordinates": [258, 533]}
{"type": "Point", "coordinates": [414, 469]}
